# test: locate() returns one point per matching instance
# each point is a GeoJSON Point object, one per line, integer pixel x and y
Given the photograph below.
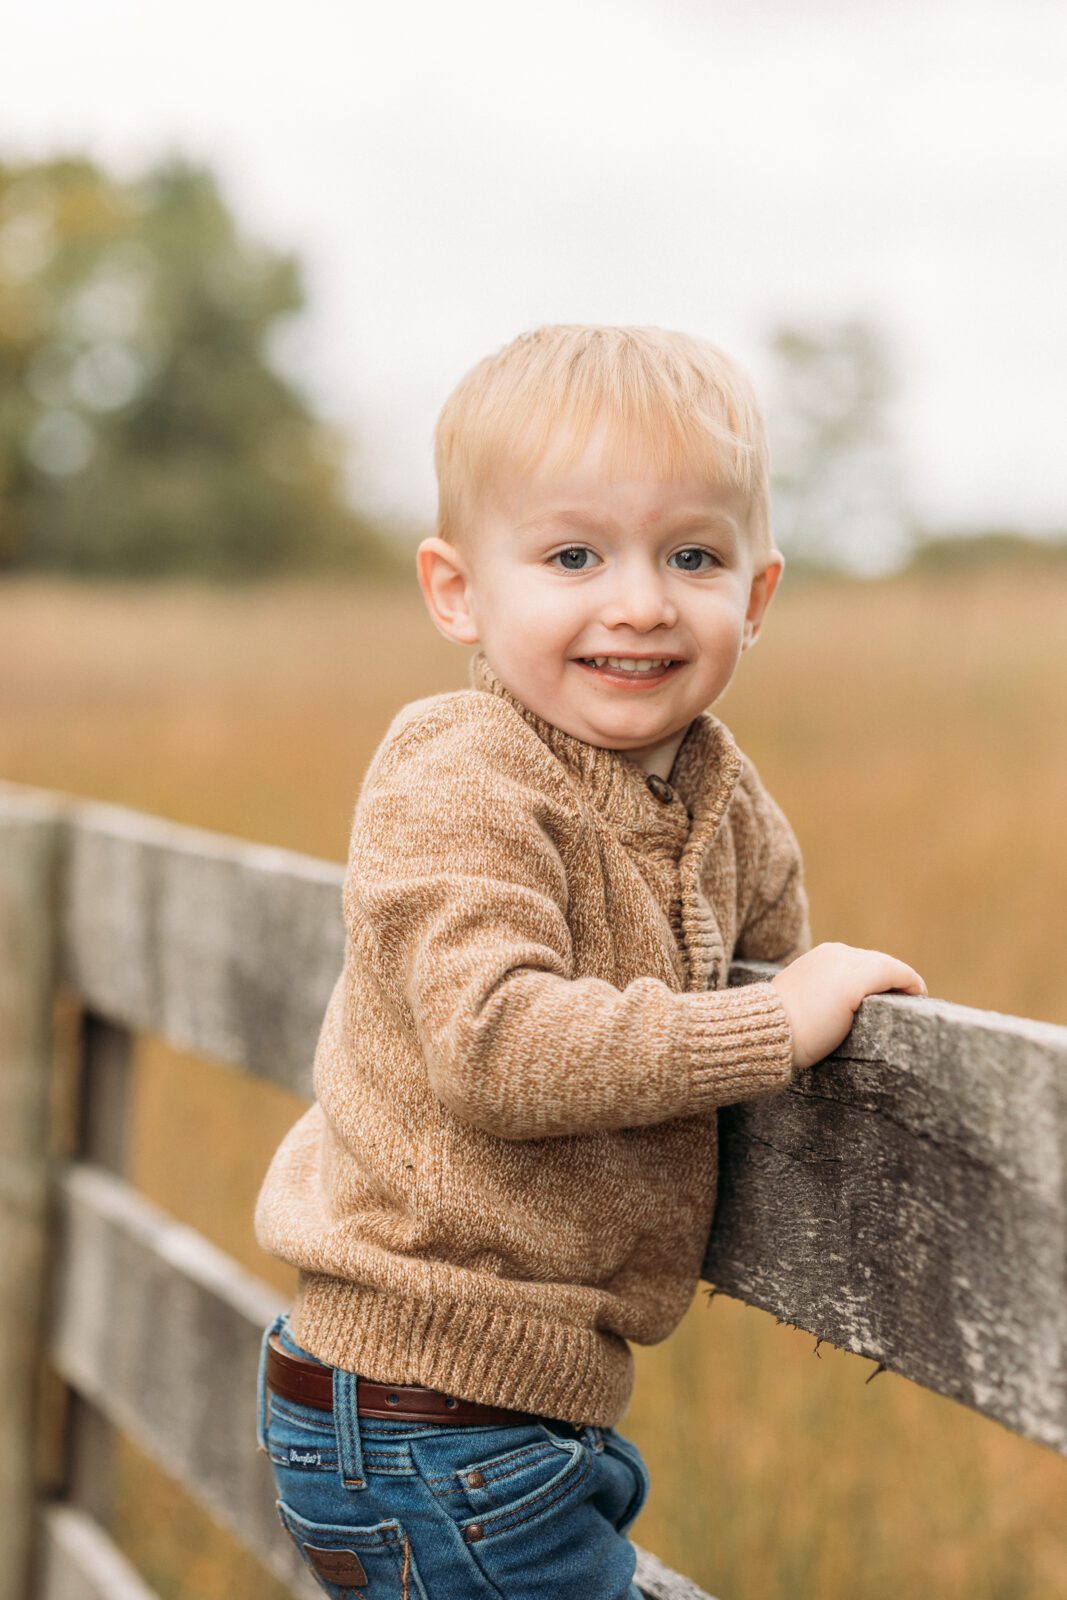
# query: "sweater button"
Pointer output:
{"type": "Point", "coordinates": [660, 788]}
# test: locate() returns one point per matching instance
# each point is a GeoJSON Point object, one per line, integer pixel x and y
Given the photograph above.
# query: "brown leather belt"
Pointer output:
{"type": "Point", "coordinates": [309, 1384]}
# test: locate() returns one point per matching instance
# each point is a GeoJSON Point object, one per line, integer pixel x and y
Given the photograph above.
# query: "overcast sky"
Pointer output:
{"type": "Point", "coordinates": [452, 174]}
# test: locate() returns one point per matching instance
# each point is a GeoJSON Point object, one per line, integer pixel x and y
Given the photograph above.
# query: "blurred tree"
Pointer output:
{"type": "Point", "coordinates": [837, 484]}
{"type": "Point", "coordinates": [143, 429]}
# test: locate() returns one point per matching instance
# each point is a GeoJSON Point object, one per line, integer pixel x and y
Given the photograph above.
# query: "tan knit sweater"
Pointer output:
{"type": "Point", "coordinates": [509, 1168]}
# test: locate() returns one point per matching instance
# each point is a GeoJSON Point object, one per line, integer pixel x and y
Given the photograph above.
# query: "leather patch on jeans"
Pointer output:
{"type": "Point", "coordinates": [337, 1566]}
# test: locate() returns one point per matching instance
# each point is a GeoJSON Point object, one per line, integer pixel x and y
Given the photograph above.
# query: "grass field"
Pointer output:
{"type": "Point", "coordinates": [913, 731]}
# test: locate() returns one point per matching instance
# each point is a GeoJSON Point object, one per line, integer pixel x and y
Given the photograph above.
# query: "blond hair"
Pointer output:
{"type": "Point", "coordinates": [672, 403]}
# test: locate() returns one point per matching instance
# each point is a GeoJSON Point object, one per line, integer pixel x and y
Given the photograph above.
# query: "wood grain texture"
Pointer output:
{"type": "Point", "coordinates": [658, 1582]}
{"type": "Point", "coordinates": [219, 946]}
{"type": "Point", "coordinates": [31, 843]}
{"type": "Point", "coordinates": [906, 1199]}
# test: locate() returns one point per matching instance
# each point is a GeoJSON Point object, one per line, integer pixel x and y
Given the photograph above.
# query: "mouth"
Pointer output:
{"type": "Point", "coordinates": [631, 672]}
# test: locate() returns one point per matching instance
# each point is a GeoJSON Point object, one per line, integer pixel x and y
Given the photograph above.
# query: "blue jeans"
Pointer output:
{"type": "Point", "coordinates": [437, 1511]}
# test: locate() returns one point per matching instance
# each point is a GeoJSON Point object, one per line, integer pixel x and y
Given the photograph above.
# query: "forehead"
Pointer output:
{"type": "Point", "coordinates": [610, 479]}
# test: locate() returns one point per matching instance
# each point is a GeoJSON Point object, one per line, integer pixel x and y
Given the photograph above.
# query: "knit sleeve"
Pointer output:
{"type": "Point", "coordinates": [775, 923]}
{"type": "Point", "coordinates": [457, 889]}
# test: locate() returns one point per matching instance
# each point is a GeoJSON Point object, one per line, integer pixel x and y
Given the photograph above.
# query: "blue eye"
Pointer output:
{"type": "Point", "coordinates": [572, 550]}
{"type": "Point", "coordinates": [695, 551]}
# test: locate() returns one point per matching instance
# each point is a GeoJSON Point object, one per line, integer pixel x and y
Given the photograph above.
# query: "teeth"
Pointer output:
{"type": "Point", "coordinates": [629, 664]}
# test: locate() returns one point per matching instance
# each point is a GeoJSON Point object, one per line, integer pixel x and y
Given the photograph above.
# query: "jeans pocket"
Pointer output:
{"type": "Point", "coordinates": [347, 1558]}
{"type": "Point", "coordinates": [625, 1450]}
{"type": "Point", "coordinates": [536, 1514]}
{"type": "Point", "coordinates": [528, 1473]}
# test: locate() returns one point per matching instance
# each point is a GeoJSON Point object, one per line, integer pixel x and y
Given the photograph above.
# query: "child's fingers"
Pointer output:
{"type": "Point", "coordinates": [898, 977]}
{"type": "Point", "coordinates": [914, 984]}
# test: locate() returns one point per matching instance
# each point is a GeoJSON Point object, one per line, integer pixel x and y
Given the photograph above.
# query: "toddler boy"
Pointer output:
{"type": "Point", "coordinates": [508, 1173]}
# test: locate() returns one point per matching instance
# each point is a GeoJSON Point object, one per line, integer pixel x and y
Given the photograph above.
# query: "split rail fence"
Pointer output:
{"type": "Point", "coordinates": [905, 1200]}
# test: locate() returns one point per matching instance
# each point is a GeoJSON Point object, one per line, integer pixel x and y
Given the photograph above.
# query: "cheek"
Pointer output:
{"type": "Point", "coordinates": [720, 621]}
{"type": "Point", "coordinates": [542, 610]}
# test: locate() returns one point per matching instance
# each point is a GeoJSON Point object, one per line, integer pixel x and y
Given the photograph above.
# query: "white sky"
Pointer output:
{"type": "Point", "coordinates": [452, 174]}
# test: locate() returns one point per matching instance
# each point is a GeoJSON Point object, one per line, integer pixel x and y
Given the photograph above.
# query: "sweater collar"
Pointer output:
{"type": "Point", "coordinates": [703, 777]}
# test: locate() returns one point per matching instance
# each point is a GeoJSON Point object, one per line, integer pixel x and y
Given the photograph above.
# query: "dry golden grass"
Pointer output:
{"type": "Point", "coordinates": [911, 729]}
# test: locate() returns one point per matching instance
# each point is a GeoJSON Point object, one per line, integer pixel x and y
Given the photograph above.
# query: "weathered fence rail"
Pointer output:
{"type": "Point", "coordinates": [906, 1200]}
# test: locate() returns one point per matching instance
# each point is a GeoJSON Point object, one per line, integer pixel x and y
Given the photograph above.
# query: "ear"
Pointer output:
{"type": "Point", "coordinates": [762, 588]}
{"type": "Point", "coordinates": [445, 584]}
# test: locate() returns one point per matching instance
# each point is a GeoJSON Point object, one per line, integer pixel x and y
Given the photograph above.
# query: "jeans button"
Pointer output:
{"type": "Point", "coordinates": [475, 1532]}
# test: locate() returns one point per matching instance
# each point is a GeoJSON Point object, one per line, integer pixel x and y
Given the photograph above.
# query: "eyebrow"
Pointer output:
{"type": "Point", "coordinates": [561, 519]}
{"type": "Point", "coordinates": [582, 522]}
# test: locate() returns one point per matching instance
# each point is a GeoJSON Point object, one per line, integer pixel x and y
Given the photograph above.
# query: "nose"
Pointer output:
{"type": "Point", "coordinates": [638, 599]}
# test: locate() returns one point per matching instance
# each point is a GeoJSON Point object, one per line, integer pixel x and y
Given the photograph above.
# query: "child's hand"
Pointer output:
{"type": "Point", "coordinates": [822, 990]}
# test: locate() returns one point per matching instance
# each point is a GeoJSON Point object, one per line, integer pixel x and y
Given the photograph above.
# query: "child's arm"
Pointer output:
{"type": "Point", "coordinates": [821, 988]}
{"type": "Point", "coordinates": [456, 893]}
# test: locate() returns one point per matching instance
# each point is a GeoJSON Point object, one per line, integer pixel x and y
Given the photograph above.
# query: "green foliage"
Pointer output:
{"type": "Point", "coordinates": [143, 429]}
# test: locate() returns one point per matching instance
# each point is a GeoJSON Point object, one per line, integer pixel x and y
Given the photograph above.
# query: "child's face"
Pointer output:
{"type": "Point", "coordinates": [571, 564]}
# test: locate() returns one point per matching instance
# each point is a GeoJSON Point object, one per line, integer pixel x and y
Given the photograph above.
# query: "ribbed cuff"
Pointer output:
{"type": "Point", "coordinates": [739, 1044]}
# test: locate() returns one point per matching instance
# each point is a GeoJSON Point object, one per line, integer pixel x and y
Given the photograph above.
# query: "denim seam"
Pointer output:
{"type": "Point", "coordinates": [542, 1502]}
{"type": "Point", "coordinates": [329, 1463]}
{"type": "Point", "coordinates": [352, 1472]}
{"type": "Point", "coordinates": [263, 1394]}
{"type": "Point", "coordinates": [280, 1409]}
{"type": "Point", "coordinates": [520, 1460]}
{"type": "Point", "coordinates": [450, 1494]}
{"type": "Point", "coordinates": [390, 1533]}
{"type": "Point", "coordinates": [383, 1454]}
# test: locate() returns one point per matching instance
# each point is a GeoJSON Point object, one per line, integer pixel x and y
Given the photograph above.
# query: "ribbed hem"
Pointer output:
{"type": "Point", "coordinates": [739, 1045]}
{"type": "Point", "coordinates": [475, 1352]}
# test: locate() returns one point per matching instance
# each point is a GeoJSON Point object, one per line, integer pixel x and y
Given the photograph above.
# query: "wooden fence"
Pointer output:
{"type": "Point", "coordinates": [906, 1200]}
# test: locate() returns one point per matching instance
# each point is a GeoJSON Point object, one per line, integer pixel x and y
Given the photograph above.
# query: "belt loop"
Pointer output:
{"type": "Point", "coordinates": [346, 1427]}
{"type": "Point", "coordinates": [262, 1392]}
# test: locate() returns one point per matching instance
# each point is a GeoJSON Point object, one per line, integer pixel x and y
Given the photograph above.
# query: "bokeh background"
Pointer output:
{"type": "Point", "coordinates": [245, 251]}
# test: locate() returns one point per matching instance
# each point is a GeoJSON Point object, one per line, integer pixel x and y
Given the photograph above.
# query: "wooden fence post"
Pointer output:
{"type": "Point", "coordinates": [31, 842]}
{"type": "Point", "coordinates": [905, 1201]}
